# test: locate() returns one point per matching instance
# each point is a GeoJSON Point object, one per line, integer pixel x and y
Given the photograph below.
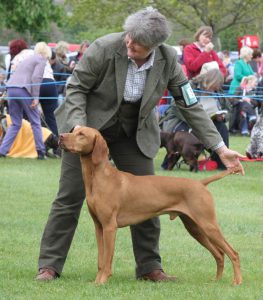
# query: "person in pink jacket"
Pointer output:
{"type": "Point", "coordinates": [201, 52]}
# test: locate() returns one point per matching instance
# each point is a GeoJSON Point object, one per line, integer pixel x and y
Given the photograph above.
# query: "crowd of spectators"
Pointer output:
{"type": "Point", "coordinates": [32, 86]}
{"type": "Point", "coordinates": [238, 95]}
{"type": "Point", "coordinates": [230, 91]}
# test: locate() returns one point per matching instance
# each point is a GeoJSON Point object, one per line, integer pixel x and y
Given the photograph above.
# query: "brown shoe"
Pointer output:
{"type": "Point", "coordinates": [158, 276]}
{"type": "Point", "coordinates": [46, 274]}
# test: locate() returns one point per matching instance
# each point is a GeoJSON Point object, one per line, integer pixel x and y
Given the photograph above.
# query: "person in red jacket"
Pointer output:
{"type": "Point", "coordinates": [201, 52]}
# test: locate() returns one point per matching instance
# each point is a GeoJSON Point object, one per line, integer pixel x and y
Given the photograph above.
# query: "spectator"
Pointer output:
{"type": "Point", "coordinates": [242, 68]}
{"type": "Point", "coordinates": [83, 46]}
{"type": "Point", "coordinates": [200, 54]}
{"type": "Point", "coordinates": [62, 50]}
{"type": "Point", "coordinates": [64, 72]}
{"type": "Point", "coordinates": [245, 105]}
{"type": "Point", "coordinates": [15, 47]}
{"type": "Point", "coordinates": [210, 83]}
{"type": "Point", "coordinates": [182, 43]}
{"type": "Point", "coordinates": [256, 60]}
{"type": "Point", "coordinates": [23, 92]}
{"type": "Point", "coordinates": [49, 98]}
{"type": "Point", "coordinates": [229, 68]}
{"type": "Point", "coordinates": [115, 88]}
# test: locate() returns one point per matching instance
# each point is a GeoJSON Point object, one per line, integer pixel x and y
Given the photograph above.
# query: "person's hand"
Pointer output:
{"type": "Point", "coordinates": [209, 47]}
{"type": "Point", "coordinates": [230, 159]}
{"type": "Point", "coordinates": [34, 103]}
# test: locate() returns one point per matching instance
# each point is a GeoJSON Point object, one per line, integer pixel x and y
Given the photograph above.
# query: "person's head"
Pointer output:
{"type": "Point", "coordinates": [249, 82]}
{"type": "Point", "coordinates": [203, 35]}
{"type": "Point", "coordinates": [211, 81]}
{"type": "Point", "coordinates": [144, 31]}
{"type": "Point", "coordinates": [62, 48]}
{"type": "Point", "coordinates": [183, 42]}
{"type": "Point", "coordinates": [16, 46]}
{"type": "Point", "coordinates": [256, 55]}
{"type": "Point", "coordinates": [43, 49]}
{"type": "Point", "coordinates": [83, 46]}
{"type": "Point", "coordinates": [246, 53]}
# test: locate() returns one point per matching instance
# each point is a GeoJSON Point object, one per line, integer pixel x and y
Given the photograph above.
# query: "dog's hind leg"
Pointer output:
{"type": "Point", "coordinates": [215, 236]}
{"type": "Point", "coordinates": [197, 233]}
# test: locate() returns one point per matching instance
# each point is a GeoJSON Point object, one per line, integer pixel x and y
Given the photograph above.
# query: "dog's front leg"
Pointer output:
{"type": "Point", "coordinates": [109, 236]}
{"type": "Point", "coordinates": [99, 238]}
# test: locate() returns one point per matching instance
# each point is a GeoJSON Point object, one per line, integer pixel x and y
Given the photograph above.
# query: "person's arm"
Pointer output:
{"type": "Point", "coordinates": [36, 78]}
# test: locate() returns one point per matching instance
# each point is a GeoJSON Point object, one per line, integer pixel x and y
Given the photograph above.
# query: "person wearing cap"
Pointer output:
{"type": "Point", "coordinates": [201, 54]}
{"type": "Point", "coordinates": [115, 88]}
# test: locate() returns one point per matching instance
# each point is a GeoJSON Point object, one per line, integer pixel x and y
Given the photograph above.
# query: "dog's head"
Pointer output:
{"type": "Point", "coordinates": [85, 141]}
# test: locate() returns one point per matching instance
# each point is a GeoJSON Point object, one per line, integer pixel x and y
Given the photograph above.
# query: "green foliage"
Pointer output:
{"type": "Point", "coordinates": [33, 16]}
{"type": "Point", "coordinates": [100, 17]}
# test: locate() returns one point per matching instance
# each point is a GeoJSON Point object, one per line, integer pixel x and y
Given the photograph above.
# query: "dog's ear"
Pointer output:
{"type": "Point", "coordinates": [100, 151]}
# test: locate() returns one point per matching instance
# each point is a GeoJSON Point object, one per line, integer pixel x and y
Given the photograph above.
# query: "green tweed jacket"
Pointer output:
{"type": "Point", "coordinates": [96, 89]}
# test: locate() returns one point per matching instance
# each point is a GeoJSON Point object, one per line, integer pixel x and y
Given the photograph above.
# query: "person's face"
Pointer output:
{"type": "Point", "coordinates": [204, 39]}
{"type": "Point", "coordinates": [135, 50]}
{"type": "Point", "coordinates": [248, 57]}
{"type": "Point", "coordinates": [252, 84]}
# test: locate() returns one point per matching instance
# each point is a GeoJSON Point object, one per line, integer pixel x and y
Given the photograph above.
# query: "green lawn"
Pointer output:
{"type": "Point", "coordinates": [27, 189]}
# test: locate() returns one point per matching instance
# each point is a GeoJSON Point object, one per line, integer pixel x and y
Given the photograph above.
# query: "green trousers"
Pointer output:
{"type": "Point", "coordinates": [65, 210]}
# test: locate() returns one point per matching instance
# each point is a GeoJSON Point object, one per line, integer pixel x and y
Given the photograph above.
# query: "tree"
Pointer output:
{"type": "Point", "coordinates": [221, 15]}
{"type": "Point", "coordinates": [33, 16]}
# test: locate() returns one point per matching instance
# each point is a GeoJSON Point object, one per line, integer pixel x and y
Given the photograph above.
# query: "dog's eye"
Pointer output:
{"type": "Point", "coordinates": [80, 133]}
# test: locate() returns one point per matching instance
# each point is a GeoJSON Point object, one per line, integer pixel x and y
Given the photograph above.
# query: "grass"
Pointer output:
{"type": "Point", "coordinates": [27, 189]}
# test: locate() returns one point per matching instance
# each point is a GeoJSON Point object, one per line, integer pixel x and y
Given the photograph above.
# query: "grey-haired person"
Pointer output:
{"type": "Point", "coordinates": [115, 88]}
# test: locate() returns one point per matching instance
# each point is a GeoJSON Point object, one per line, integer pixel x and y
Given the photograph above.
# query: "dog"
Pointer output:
{"type": "Point", "coordinates": [181, 144]}
{"type": "Point", "coordinates": [255, 148]}
{"type": "Point", "coordinates": [117, 199]}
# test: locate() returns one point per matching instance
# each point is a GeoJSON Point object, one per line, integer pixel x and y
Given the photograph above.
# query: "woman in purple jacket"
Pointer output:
{"type": "Point", "coordinates": [23, 92]}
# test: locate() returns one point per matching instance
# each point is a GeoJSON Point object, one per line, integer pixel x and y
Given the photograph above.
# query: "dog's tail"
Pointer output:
{"type": "Point", "coordinates": [218, 176]}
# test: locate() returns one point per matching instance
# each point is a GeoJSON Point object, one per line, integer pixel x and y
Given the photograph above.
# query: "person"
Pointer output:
{"type": "Point", "coordinates": [62, 68]}
{"type": "Point", "coordinates": [25, 83]}
{"type": "Point", "coordinates": [115, 88]}
{"type": "Point", "coordinates": [48, 98]}
{"type": "Point", "coordinates": [229, 69]}
{"type": "Point", "coordinates": [201, 54]}
{"type": "Point", "coordinates": [210, 83]}
{"type": "Point", "coordinates": [83, 46]}
{"type": "Point", "coordinates": [242, 68]}
{"type": "Point", "coordinates": [15, 47]}
{"type": "Point", "coordinates": [246, 104]}
{"type": "Point", "coordinates": [255, 61]}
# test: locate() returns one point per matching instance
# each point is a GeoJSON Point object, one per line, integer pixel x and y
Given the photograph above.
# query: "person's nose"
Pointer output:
{"type": "Point", "coordinates": [129, 43]}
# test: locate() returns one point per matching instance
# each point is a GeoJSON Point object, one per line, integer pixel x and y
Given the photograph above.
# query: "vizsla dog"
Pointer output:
{"type": "Point", "coordinates": [181, 143]}
{"type": "Point", "coordinates": [117, 199]}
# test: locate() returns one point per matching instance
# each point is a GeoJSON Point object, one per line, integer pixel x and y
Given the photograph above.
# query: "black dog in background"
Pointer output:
{"type": "Point", "coordinates": [181, 144]}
